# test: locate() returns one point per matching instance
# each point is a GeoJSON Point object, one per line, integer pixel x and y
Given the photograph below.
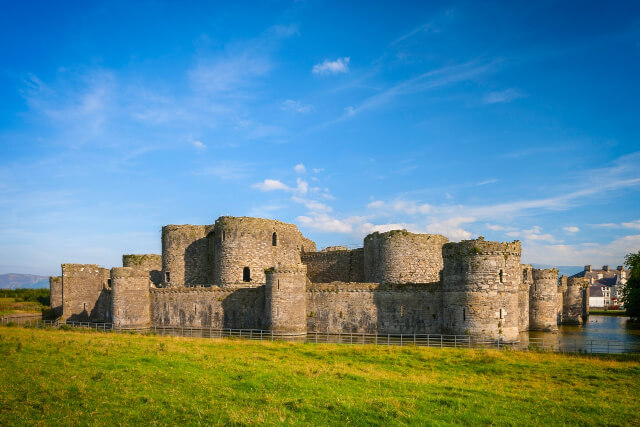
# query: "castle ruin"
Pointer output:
{"type": "Point", "coordinates": [253, 273]}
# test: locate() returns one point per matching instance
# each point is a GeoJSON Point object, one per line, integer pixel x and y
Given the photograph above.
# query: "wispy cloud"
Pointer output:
{"type": "Point", "coordinates": [295, 106]}
{"type": "Point", "coordinates": [571, 229]}
{"type": "Point", "coordinates": [299, 168]}
{"type": "Point", "coordinates": [503, 96]}
{"type": "Point", "coordinates": [338, 66]}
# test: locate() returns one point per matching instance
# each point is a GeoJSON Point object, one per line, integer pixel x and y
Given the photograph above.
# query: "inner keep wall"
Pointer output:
{"type": "Point", "coordinates": [335, 265]}
{"type": "Point", "coordinates": [86, 296]}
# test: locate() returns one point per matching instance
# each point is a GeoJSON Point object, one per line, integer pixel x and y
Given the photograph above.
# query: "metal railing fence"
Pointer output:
{"type": "Point", "coordinates": [555, 343]}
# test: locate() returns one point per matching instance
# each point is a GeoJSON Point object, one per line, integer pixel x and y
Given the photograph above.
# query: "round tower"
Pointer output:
{"type": "Point", "coordinates": [185, 255]}
{"type": "Point", "coordinates": [543, 315]}
{"type": "Point", "coordinates": [401, 257]}
{"type": "Point", "coordinates": [523, 297]}
{"type": "Point", "coordinates": [130, 298]}
{"type": "Point", "coordinates": [574, 301]}
{"type": "Point", "coordinates": [244, 247]}
{"type": "Point", "coordinates": [480, 288]}
{"type": "Point", "coordinates": [286, 300]}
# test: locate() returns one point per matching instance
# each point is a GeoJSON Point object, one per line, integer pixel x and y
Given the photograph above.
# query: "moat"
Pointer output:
{"type": "Point", "coordinates": [599, 329]}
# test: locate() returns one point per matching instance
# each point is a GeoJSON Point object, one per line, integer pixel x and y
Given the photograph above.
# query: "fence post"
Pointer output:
{"type": "Point", "coordinates": [388, 337]}
{"type": "Point", "coordinates": [455, 341]}
{"type": "Point", "coordinates": [440, 341]}
{"type": "Point", "coordinates": [400, 340]}
{"type": "Point", "coordinates": [414, 339]}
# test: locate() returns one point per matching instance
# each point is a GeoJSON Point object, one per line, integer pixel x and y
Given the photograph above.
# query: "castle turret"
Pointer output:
{"type": "Point", "coordinates": [55, 295]}
{"type": "Point", "coordinates": [523, 297]}
{"type": "Point", "coordinates": [543, 314]}
{"type": "Point", "coordinates": [575, 305]}
{"type": "Point", "coordinates": [286, 300]}
{"type": "Point", "coordinates": [244, 247]}
{"type": "Point", "coordinates": [480, 288]}
{"type": "Point", "coordinates": [401, 257]}
{"type": "Point", "coordinates": [130, 298]}
{"type": "Point", "coordinates": [185, 255]}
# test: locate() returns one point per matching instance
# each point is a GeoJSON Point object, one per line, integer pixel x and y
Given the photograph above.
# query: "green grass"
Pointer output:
{"type": "Point", "coordinates": [54, 377]}
{"type": "Point", "coordinates": [609, 312]}
{"type": "Point", "coordinates": [13, 301]}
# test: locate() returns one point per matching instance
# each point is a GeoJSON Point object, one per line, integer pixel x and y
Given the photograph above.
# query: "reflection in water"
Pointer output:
{"type": "Point", "coordinates": [597, 329]}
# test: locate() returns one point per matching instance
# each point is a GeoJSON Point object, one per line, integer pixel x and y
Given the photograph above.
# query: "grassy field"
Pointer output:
{"type": "Point", "coordinates": [54, 377]}
{"type": "Point", "coordinates": [14, 301]}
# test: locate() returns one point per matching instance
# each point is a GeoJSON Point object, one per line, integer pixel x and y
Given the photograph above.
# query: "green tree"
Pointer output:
{"type": "Point", "coordinates": [631, 291]}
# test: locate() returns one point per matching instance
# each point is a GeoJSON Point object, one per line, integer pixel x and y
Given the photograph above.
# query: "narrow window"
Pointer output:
{"type": "Point", "coordinates": [224, 235]}
{"type": "Point", "coordinates": [501, 314]}
{"type": "Point", "coordinates": [524, 275]}
{"type": "Point", "coordinates": [278, 284]}
{"type": "Point", "coordinates": [464, 314]}
{"type": "Point", "coordinates": [109, 282]}
{"type": "Point", "coordinates": [195, 309]}
{"type": "Point", "coordinates": [167, 276]}
{"type": "Point", "coordinates": [501, 276]}
{"type": "Point", "coordinates": [85, 307]}
{"type": "Point", "coordinates": [274, 239]}
{"type": "Point", "coordinates": [246, 274]}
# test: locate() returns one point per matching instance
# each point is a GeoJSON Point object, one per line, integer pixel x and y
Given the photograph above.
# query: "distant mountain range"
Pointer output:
{"type": "Point", "coordinates": [23, 281]}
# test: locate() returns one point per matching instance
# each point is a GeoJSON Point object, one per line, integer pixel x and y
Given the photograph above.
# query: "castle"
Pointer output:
{"type": "Point", "coordinates": [253, 273]}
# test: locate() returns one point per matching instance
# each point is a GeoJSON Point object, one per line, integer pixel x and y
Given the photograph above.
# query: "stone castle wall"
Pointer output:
{"type": "Point", "coordinates": [130, 298]}
{"type": "Point", "coordinates": [85, 293]}
{"type": "Point", "coordinates": [374, 308]}
{"type": "Point", "coordinates": [543, 314]}
{"type": "Point", "coordinates": [574, 312]}
{"type": "Point", "coordinates": [402, 257]}
{"type": "Point", "coordinates": [185, 255]}
{"type": "Point", "coordinates": [342, 265]}
{"type": "Point", "coordinates": [562, 289]}
{"type": "Point", "coordinates": [208, 307]}
{"type": "Point", "coordinates": [481, 282]}
{"type": "Point", "coordinates": [151, 263]}
{"type": "Point", "coordinates": [255, 244]}
{"type": "Point", "coordinates": [55, 295]}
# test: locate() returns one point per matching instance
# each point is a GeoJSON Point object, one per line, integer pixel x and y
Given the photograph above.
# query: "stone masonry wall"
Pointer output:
{"type": "Point", "coordinates": [573, 301]}
{"type": "Point", "coordinates": [286, 300]}
{"type": "Point", "coordinates": [480, 288]}
{"type": "Point", "coordinates": [241, 242]}
{"type": "Point", "coordinates": [55, 295]}
{"type": "Point", "coordinates": [335, 266]}
{"type": "Point", "coordinates": [543, 314]}
{"type": "Point", "coordinates": [523, 298]}
{"type": "Point", "coordinates": [374, 308]}
{"type": "Point", "coordinates": [208, 307]}
{"type": "Point", "coordinates": [185, 255]}
{"type": "Point", "coordinates": [130, 298]}
{"type": "Point", "coordinates": [402, 257]}
{"type": "Point", "coordinates": [151, 263]}
{"type": "Point", "coordinates": [562, 289]}
{"type": "Point", "coordinates": [85, 293]}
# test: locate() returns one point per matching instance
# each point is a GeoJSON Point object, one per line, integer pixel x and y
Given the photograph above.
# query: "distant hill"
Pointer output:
{"type": "Point", "coordinates": [23, 281]}
{"type": "Point", "coordinates": [567, 270]}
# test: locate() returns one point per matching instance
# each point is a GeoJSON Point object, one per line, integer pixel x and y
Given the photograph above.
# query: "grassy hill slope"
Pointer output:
{"type": "Point", "coordinates": [55, 377]}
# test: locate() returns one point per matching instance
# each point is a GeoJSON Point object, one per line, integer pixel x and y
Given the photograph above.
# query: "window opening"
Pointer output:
{"type": "Point", "coordinates": [224, 235]}
{"type": "Point", "coordinates": [109, 282]}
{"type": "Point", "coordinates": [85, 307]}
{"type": "Point", "coordinates": [501, 314]}
{"type": "Point", "coordinates": [274, 239]}
{"type": "Point", "coordinates": [167, 276]}
{"type": "Point", "coordinates": [246, 274]}
{"type": "Point", "coordinates": [278, 284]}
{"type": "Point", "coordinates": [501, 276]}
{"type": "Point", "coordinates": [464, 314]}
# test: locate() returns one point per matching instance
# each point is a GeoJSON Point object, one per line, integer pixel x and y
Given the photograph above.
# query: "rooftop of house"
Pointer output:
{"type": "Point", "coordinates": [604, 273]}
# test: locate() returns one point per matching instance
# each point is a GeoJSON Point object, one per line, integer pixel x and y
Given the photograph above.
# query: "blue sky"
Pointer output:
{"type": "Point", "coordinates": [508, 120]}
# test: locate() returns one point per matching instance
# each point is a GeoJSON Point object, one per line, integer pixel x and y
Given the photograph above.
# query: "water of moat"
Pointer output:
{"type": "Point", "coordinates": [597, 331]}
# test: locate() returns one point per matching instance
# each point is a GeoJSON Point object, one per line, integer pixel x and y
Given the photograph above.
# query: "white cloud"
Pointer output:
{"type": "Point", "coordinates": [376, 204]}
{"type": "Point", "coordinates": [225, 170]}
{"type": "Point", "coordinates": [299, 168]}
{"type": "Point", "coordinates": [451, 228]}
{"type": "Point", "coordinates": [403, 206]}
{"type": "Point", "coordinates": [271, 185]}
{"type": "Point", "coordinates": [340, 65]}
{"type": "Point", "coordinates": [323, 222]}
{"type": "Point", "coordinates": [534, 233]}
{"type": "Point", "coordinates": [633, 224]}
{"type": "Point", "coordinates": [494, 227]}
{"type": "Point", "coordinates": [296, 106]}
{"type": "Point", "coordinates": [303, 186]}
{"type": "Point", "coordinates": [571, 229]}
{"type": "Point", "coordinates": [504, 96]}
{"type": "Point", "coordinates": [486, 181]}
{"type": "Point", "coordinates": [581, 254]}
{"type": "Point", "coordinates": [229, 75]}
{"type": "Point", "coordinates": [317, 170]}
{"type": "Point", "coordinates": [199, 145]}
